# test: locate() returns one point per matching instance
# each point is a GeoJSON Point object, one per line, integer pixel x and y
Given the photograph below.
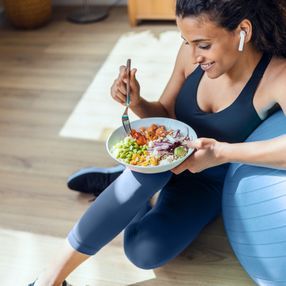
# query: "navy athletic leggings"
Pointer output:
{"type": "Point", "coordinates": [153, 236]}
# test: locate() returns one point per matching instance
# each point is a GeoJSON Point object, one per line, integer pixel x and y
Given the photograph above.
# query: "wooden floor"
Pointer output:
{"type": "Point", "coordinates": [42, 76]}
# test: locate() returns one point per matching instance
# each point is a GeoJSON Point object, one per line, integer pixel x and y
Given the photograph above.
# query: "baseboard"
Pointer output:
{"type": "Point", "coordinates": [92, 2]}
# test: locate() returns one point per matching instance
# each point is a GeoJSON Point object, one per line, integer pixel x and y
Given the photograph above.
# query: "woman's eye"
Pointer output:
{"type": "Point", "coordinates": [204, 47]}
{"type": "Point", "coordinates": [186, 43]}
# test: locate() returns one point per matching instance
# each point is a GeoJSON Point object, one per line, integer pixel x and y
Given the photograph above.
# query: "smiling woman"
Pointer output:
{"type": "Point", "coordinates": [226, 81]}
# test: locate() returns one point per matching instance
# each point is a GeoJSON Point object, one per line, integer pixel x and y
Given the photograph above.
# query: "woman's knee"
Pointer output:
{"type": "Point", "coordinates": [144, 251]}
{"type": "Point", "coordinates": [143, 258]}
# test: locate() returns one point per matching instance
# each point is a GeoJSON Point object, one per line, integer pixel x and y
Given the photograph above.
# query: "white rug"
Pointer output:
{"type": "Point", "coordinates": [96, 114]}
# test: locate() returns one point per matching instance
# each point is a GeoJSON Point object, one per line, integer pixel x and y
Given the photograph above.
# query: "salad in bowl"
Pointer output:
{"type": "Point", "coordinates": [154, 145]}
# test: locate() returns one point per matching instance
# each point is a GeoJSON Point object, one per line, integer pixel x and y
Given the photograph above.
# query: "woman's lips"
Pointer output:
{"type": "Point", "coordinates": [207, 66]}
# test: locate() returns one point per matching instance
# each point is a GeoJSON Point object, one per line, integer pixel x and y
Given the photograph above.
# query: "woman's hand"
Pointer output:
{"type": "Point", "coordinates": [206, 155]}
{"type": "Point", "coordinates": [119, 88]}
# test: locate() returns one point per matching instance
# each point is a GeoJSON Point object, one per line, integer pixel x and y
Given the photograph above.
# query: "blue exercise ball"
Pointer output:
{"type": "Point", "coordinates": [254, 212]}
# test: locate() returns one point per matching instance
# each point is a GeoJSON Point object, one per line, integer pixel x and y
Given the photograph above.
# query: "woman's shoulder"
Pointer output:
{"type": "Point", "coordinates": [275, 74]}
{"type": "Point", "coordinates": [278, 68]}
{"type": "Point", "coordinates": [276, 79]}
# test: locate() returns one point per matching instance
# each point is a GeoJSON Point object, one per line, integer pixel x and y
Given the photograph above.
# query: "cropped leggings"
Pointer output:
{"type": "Point", "coordinates": [186, 203]}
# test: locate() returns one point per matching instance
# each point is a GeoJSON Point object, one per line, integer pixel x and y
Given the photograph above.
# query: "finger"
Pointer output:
{"type": "Point", "coordinates": [178, 170]}
{"type": "Point", "coordinates": [121, 87]}
{"type": "Point", "coordinates": [116, 93]}
{"type": "Point", "coordinates": [133, 78]}
{"type": "Point", "coordinates": [198, 144]}
{"type": "Point", "coordinates": [181, 168]}
{"type": "Point", "coordinates": [133, 74]}
{"type": "Point", "coordinates": [119, 99]}
{"type": "Point", "coordinates": [118, 85]}
{"type": "Point", "coordinates": [201, 143]}
{"type": "Point", "coordinates": [191, 144]}
{"type": "Point", "coordinates": [122, 72]}
{"type": "Point", "coordinates": [207, 143]}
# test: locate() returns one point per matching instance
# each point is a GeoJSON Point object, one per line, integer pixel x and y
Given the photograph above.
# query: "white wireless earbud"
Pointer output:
{"type": "Point", "coordinates": [242, 40]}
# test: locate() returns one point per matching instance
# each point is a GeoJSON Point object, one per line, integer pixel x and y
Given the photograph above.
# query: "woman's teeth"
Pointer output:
{"type": "Point", "coordinates": [206, 66]}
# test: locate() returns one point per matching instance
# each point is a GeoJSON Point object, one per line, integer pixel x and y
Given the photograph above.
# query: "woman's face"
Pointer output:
{"type": "Point", "coordinates": [214, 48]}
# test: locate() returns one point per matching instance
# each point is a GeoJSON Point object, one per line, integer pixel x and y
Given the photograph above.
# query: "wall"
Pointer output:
{"type": "Point", "coordinates": [92, 2]}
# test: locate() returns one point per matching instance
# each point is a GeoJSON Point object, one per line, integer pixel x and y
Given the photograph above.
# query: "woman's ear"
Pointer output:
{"type": "Point", "coordinates": [244, 30]}
{"type": "Point", "coordinates": [245, 26]}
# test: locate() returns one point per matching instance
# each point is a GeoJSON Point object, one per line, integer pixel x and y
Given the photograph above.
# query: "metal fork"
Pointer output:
{"type": "Point", "coordinates": [125, 117]}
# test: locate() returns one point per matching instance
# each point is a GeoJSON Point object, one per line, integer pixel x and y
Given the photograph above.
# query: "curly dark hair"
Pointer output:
{"type": "Point", "coordinates": [268, 18]}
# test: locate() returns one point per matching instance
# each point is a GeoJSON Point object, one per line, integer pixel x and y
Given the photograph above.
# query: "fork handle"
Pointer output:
{"type": "Point", "coordinates": [128, 68]}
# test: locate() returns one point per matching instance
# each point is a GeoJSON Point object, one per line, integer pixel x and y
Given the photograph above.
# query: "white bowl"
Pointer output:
{"type": "Point", "coordinates": [119, 134]}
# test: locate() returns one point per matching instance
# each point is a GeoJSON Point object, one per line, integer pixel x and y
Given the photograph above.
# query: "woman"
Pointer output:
{"type": "Point", "coordinates": [228, 77]}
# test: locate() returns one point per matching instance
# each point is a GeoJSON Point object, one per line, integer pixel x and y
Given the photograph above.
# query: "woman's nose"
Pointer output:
{"type": "Point", "coordinates": [198, 59]}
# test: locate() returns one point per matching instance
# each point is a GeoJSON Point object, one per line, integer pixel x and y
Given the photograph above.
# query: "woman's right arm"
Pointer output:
{"type": "Point", "coordinates": [165, 106]}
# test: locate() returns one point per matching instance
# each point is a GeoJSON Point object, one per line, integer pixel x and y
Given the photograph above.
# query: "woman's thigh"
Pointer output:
{"type": "Point", "coordinates": [185, 205]}
{"type": "Point", "coordinates": [114, 209]}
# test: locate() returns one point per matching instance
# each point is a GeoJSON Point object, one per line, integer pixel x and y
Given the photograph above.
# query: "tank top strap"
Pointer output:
{"type": "Point", "coordinates": [252, 84]}
{"type": "Point", "coordinates": [192, 83]}
{"type": "Point", "coordinates": [197, 75]}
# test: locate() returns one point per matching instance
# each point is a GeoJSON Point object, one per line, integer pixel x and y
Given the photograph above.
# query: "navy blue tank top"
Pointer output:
{"type": "Point", "coordinates": [232, 124]}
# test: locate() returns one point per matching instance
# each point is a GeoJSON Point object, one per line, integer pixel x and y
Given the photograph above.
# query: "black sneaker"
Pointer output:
{"type": "Point", "coordinates": [93, 180]}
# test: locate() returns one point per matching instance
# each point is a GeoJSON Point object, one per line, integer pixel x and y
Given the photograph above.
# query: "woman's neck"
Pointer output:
{"type": "Point", "coordinates": [244, 66]}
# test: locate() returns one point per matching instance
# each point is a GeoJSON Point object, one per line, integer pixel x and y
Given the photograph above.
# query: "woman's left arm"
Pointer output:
{"type": "Point", "coordinates": [269, 153]}
{"type": "Point", "coordinates": [210, 152]}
